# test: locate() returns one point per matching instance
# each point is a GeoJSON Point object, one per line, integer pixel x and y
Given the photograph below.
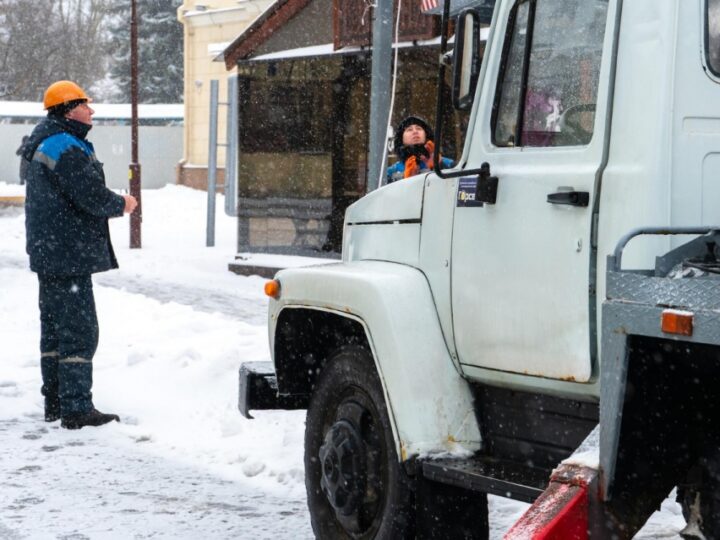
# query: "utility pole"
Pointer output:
{"type": "Point", "coordinates": [380, 90]}
{"type": "Point", "coordinates": [135, 185]}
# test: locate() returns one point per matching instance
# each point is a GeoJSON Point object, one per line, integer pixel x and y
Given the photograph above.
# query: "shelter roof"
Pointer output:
{"type": "Point", "coordinates": [280, 12]}
{"type": "Point", "coordinates": [261, 29]}
{"type": "Point", "coordinates": [327, 49]}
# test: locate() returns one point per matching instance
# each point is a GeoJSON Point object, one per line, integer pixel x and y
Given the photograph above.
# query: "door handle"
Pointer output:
{"type": "Point", "coordinates": [571, 198]}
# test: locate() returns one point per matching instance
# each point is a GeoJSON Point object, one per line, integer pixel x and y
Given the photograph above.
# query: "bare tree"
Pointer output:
{"type": "Point", "coordinates": [46, 40]}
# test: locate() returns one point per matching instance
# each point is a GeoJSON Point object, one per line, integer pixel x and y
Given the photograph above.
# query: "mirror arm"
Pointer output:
{"type": "Point", "coordinates": [441, 79]}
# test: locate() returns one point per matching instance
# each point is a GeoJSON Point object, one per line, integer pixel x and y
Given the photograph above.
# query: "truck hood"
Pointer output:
{"type": "Point", "coordinates": [399, 201]}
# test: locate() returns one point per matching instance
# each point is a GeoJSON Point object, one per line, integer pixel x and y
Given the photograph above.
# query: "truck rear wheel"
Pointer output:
{"type": "Point", "coordinates": [356, 486]}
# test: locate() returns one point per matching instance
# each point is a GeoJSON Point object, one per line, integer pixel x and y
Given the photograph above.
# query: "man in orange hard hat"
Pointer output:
{"type": "Point", "coordinates": [67, 207]}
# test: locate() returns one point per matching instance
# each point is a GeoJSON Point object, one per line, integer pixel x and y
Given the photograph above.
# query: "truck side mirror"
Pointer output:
{"type": "Point", "coordinates": [466, 59]}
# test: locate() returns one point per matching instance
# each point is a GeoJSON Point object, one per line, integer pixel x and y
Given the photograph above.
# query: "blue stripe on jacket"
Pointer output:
{"type": "Point", "coordinates": [53, 147]}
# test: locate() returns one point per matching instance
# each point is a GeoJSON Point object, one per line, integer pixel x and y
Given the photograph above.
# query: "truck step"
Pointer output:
{"type": "Point", "coordinates": [486, 474]}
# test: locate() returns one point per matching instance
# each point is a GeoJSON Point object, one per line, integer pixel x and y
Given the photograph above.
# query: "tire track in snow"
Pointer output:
{"type": "Point", "coordinates": [249, 309]}
{"type": "Point", "coordinates": [234, 304]}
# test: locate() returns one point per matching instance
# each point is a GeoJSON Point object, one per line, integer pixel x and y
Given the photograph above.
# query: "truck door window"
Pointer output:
{"type": "Point", "coordinates": [712, 40]}
{"type": "Point", "coordinates": [549, 76]}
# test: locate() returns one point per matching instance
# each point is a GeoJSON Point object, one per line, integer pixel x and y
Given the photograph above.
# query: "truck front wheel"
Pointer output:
{"type": "Point", "coordinates": [356, 486]}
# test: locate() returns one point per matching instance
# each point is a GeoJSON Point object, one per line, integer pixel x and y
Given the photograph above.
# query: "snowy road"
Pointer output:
{"type": "Point", "coordinates": [175, 326]}
{"type": "Point", "coordinates": [78, 485]}
{"type": "Point", "coordinates": [248, 308]}
{"type": "Point", "coordinates": [183, 464]}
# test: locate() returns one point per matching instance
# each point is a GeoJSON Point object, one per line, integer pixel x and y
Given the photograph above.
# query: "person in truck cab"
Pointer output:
{"type": "Point", "coordinates": [414, 147]}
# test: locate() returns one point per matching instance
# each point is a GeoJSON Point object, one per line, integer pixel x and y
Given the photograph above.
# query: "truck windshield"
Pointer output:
{"type": "Point", "coordinates": [551, 66]}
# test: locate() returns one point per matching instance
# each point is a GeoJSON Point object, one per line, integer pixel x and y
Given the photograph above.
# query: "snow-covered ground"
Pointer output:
{"type": "Point", "coordinates": [175, 326]}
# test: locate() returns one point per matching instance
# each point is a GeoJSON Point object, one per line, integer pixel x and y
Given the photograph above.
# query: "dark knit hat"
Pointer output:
{"type": "Point", "coordinates": [408, 121]}
{"type": "Point", "coordinates": [64, 108]}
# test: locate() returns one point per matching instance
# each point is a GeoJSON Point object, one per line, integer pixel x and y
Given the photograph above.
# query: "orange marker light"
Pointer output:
{"type": "Point", "coordinates": [272, 289]}
{"type": "Point", "coordinates": [677, 322]}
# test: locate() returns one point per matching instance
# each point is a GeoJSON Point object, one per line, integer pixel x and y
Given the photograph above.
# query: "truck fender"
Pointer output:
{"type": "Point", "coordinates": [429, 403]}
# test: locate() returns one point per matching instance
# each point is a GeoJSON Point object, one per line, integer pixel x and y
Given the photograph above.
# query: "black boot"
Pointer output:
{"type": "Point", "coordinates": [91, 418]}
{"type": "Point", "coordinates": [52, 409]}
{"type": "Point", "coordinates": [49, 368]}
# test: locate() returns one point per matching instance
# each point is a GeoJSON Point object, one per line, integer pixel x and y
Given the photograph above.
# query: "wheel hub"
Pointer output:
{"type": "Point", "coordinates": [342, 460]}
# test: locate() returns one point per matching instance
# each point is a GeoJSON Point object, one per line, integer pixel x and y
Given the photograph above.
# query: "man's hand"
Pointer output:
{"type": "Point", "coordinates": [430, 147]}
{"type": "Point", "coordinates": [411, 167]}
{"type": "Point", "coordinates": [130, 203]}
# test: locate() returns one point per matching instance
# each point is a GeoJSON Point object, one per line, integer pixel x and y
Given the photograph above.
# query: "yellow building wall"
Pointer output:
{"type": "Point", "coordinates": [209, 26]}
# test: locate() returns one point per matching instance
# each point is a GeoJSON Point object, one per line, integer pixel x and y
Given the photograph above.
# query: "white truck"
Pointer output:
{"type": "Point", "coordinates": [559, 286]}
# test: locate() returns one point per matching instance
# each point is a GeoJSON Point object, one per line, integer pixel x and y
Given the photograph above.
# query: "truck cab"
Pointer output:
{"type": "Point", "coordinates": [458, 348]}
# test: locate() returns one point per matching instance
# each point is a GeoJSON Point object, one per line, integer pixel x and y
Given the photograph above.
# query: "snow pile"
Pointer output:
{"type": "Point", "coordinates": [168, 367]}
{"type": "Point", "coordinates": [11, 190]}
{"type": "Point", "coordinates": [588, 453]}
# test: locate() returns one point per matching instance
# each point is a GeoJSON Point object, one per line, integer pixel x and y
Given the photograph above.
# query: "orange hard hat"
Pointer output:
{"type": "Point", "coordinates": [63, 92]}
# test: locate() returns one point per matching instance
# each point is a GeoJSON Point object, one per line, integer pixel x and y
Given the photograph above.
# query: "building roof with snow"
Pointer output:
{"type": "Point", "coordinates": [11, 111]}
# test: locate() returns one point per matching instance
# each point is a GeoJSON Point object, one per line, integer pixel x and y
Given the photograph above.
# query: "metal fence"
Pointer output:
{"type": "Point", "coordinates": [161, 148]}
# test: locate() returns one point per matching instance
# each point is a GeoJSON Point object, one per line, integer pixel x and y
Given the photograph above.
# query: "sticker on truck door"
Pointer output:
{"type": "Point", "coordinates": [466, 191]}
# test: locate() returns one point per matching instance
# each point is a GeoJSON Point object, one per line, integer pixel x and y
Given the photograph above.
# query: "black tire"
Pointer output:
{"type": "Point", "coordinates": [356, 486]}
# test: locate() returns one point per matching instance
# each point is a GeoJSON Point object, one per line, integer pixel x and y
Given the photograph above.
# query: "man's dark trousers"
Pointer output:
{"type": "Point", "coordinates": [68, 340]}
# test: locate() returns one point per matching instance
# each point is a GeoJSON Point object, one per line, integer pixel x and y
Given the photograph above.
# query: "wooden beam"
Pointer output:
{"type": "Point", "coordinates": [264, 27]}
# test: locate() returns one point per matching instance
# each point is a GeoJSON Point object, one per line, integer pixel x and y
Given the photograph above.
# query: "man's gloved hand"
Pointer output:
{"type": "Point", "coordinates": [411, 167]}
{"type": "Point", "coordinates": [430, 147]}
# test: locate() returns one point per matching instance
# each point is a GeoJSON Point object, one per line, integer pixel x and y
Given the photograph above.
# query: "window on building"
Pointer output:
{"type": "Point", "coordinates": [286, 117]}
{"type": "Point", "coordinates": [549, 78]}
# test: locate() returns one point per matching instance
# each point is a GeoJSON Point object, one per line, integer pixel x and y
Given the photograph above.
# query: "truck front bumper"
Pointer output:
{"type": "Point", "coordinates": [259, 391]}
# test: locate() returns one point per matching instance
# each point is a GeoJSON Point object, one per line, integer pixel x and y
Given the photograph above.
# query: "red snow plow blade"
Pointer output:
{"type": "Point", "coordinates": [561, 512]}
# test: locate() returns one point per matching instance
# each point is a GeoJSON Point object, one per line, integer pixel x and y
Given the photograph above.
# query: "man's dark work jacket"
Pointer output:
{"type": "Point", "coordinates": [67, 204]}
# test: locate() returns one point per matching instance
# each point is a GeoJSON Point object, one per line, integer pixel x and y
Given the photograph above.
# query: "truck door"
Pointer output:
{"type": "Point", "coordinates": [521, 269]}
